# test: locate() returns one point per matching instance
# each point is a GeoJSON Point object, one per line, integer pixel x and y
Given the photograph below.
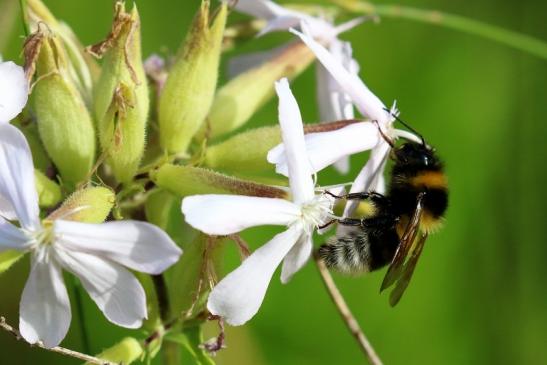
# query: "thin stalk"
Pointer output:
{"type": "Point", "coordinates": [86, 346]}
{"type": "Point", "coordinates": [56, 349]}
{"type": "Point", "coordinates": [346, 314]}
{"type": "Point", "coordinates": [509, 38]}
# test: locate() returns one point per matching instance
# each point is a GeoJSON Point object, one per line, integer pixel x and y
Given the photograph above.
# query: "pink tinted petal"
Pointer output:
{"type": "Point", "coordinates": [17, 176]}
{"type": "Point", "coordinates": [227, 214]}
{"type": "Point", "coordinates": [13, 91]}
{"type": "Point", "coordinates": [137, 245]}
{"type": "Point", "coordinates": [292, 132]}
{"type": "Point", "coordinates": [44, 313]}
{"type": "Point", "coordinates": [239, 295]}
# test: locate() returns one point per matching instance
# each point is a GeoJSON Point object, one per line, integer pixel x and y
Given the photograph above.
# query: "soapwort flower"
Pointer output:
{"type": "Point", "coordinates": [333, 102]}
{"type": "Point", "coordinates": [95, 253]}
{"type": "Point", "coordinates": [13, 98]}
{"type": "Point", "coordinates": [239, 295]}
{"type": "Point", "coordinates": [325, 148]}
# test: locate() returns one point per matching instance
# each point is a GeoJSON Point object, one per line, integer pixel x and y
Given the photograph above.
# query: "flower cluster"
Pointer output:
{"type": "Point", "coordinates": [93, 171]}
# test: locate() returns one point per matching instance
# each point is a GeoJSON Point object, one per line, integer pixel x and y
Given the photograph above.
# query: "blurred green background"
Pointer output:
{"type": "Point", "coordinates": [479, 294]}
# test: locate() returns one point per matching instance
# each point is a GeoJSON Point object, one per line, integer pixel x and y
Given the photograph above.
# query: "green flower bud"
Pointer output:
{"type": "Point", "coordinates": [187, 180]}
{"type": "Point", "coordinates": [121, 95]}
{"type": "Point", "coordinates": [237, 101]}
{"type": "Point", "coordinates": [49, 192]}
{"type": "Point", "coordinates": [90, 205]}
{"type": "Point", "coordinates": [190, 86]}
{"type": "Point", "coordinates": [30, 130]}
{"type": "Point", "coordinates": [124, 352]}
{"type": "Point", "coordinates": [245, 152]}
{"type": "Point", "coordinates": [81, 66]}
{"type": "Point", "coordinates": [64, 123]}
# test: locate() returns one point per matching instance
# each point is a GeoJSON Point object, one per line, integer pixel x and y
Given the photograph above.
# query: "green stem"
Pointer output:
{"type": "Point", "coordinates": [86, 347]}
{"type": "Point", "coordinates": [23, 4]}
{"type": "Point", "coordinates": [509, 38]}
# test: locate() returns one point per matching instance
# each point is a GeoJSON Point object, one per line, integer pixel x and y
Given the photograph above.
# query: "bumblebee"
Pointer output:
{"type": "Point", "coordinates": [398, 223]}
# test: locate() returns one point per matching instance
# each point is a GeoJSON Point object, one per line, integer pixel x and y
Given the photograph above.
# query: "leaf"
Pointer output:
{"type": "Point", "coordinates": [190, 339]}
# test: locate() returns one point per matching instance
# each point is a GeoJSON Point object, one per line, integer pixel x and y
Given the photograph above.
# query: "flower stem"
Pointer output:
{"type": "Point", "coordinates": [161, 294]}
{"type": "Point", "coordinates": [81, 315]}
{"type": "Point", "coordinates": [345, 313]}
{"type": "Point", "coordinates": [509, 38]}
{"type": "Point", "coordinates": [57, 349]}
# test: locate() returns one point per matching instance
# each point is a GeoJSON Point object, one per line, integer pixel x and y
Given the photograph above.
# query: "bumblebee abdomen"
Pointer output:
{"type": "Point", "coordinates": [361, 251]}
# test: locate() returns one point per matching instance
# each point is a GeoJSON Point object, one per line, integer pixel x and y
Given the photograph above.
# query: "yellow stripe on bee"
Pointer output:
{"type": "Point", "coordinates": [430, 179]}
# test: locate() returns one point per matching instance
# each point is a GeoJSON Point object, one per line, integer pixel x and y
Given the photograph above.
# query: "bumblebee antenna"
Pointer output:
{"type": "Point", "coordinates": [406, 125]}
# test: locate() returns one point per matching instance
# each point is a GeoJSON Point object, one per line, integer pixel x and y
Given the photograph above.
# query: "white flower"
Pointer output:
{"type": "Point", "coordinates": [13, 98]}
{"type": "Point", "coordinates": [95, 253]}
{"type": "Point", "coordinates": [239, 295]}
{"type": "Point", "coordinates": [325, 148]}
{"type": "Point", "coordinates": [334, 103]}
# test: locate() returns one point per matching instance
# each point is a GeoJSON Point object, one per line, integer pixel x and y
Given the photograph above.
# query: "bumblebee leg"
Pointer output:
{"type": "Point", "coordinates": [345, 222]}
{"type": "Point", "coordinates": [357, 196]}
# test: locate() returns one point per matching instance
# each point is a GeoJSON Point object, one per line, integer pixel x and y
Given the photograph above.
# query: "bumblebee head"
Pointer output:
{"type": "Point", "coordinates": [418, 155]}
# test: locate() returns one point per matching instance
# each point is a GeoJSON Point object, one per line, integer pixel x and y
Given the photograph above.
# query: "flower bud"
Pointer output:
{"type": "Point", "coordinates": [81, 66]}
{"type": "Point", "coordinates": [30, 130]}
{"type": "Point", "coordinates": [124, 352]}
{"type": "Point", "coordinates": [121, 99]}
{"type": "Point", "coordinates": [187, 180]}
{"type": "Point", "coordinates": [64, 123]}
{"type": "Point", "coordinates": [89, 205]}
{"type": "Point", "coordinates": [242, 96]}
{"type": "Point", "coordinates": [190, 86]}
{"type": "Point", "coordinates": [49, 192]}
{"type": "Point", "coordinates": [245, 152]}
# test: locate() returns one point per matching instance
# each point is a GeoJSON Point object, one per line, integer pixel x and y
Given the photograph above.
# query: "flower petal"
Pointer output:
{"type": "Point", "coordinates": [264, 9]}
{"type": "Point", "coordinates": [292, 132]}
{"type": "Point", "coordinates": [368, 104]}
{"type": "Point", "coordinates": [12, 237]}
{"type": "Point", "coordinates": [140, 246]}
{"type": "Point", "coordinates": [239, 295]}
{"type": "Point", "coordinates": [6, 209]}
{"type": "Point", "coordinates": [17, 176]}
{"type": "Point", "coordinates": [116, 291]}
{"type": "Point", "coordinates": [297, 257]}
{"type": "Point", "coordinates": [13, 91]}
{"type": "Point", "coordinates": [324, 148]}
{"type": "Point", "coordinates": [227, 214]}
{"type": "Point", "coordinates": [371, 176]}
{"type": "Point", "coordinates": [44, 314]}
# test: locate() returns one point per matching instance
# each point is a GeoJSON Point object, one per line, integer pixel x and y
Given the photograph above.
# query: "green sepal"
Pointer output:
{"type": "Point", "coordinates": [188, 180]}
{"type": "Point", "coordinates": [89, 205]}
{"type": "Point", "coordinates": [121, 100]}
{"type": "Point", "coordinates": [191, 83]}
{"type": "Point", "coordinates": [8, 258]}
{"type": "Point", "coordinates": [49, 192]}
{"type": "Point", "coordinates": [124, 352]}
{"type": "Point", "coordinates": [239, 99]}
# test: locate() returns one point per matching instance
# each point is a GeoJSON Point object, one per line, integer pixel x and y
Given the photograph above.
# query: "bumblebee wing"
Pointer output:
{"type": "Point", "coordinates": [407, 271]}
{"type": "Point", "coordinates": [409, 236]}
